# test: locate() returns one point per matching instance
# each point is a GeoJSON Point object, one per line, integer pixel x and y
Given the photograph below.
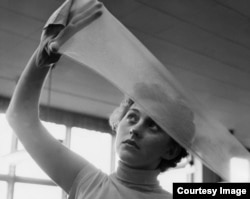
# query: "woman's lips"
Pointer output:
{"type": "Point", "coordinates": [132, 143]}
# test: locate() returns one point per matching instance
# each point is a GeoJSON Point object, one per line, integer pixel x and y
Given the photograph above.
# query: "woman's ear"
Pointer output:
{"type": "Point", "coordinates": [172, 151]}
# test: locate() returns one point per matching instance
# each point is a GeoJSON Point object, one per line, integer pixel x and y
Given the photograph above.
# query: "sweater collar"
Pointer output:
{"type": "Point", "coordinates": [135, 176]}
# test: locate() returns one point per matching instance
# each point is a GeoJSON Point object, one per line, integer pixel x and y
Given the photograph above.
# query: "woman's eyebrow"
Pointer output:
{"type": "Point", "coordinates": [134, 110]}
{"type": "Point", "coordinates": [149, 119]}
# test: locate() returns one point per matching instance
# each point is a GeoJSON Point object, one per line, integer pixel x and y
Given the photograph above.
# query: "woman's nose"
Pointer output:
{"type": "Point", "coordinates": [137, 130]}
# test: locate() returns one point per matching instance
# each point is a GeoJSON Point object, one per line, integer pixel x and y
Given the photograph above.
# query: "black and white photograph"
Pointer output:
{"type": "Point", "coordinates": [124, 99]}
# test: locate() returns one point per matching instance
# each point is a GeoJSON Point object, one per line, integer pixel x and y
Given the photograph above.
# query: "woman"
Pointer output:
{"type": "Point", "coordinates": [144, 148]}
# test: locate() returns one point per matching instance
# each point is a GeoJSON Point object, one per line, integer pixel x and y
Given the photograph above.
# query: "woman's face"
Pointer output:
{"type": "Point", "coordinates": [146, 145]}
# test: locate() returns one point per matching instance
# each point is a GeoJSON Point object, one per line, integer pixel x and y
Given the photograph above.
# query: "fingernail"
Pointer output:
{"type": "Point", "coordinates": [99, 5]}
{"type": "Point", "coordinates": [53, 47]}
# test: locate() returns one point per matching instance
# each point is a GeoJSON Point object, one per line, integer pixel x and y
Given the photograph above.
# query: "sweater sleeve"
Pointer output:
{"type": "Point", "coordinates": [86, 181]}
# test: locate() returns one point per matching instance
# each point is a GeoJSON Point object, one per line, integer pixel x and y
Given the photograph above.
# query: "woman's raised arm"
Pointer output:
{"type": "Point", "coordinates": [61, 164]}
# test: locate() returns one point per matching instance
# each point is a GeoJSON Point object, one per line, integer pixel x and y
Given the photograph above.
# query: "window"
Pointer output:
{"type": "Point", "coordinates": [31, 191]}
{"type": "Point", "coordinates": [174, 175]}
{"type": "Point", "coordinates": [5, 145]}
{"type": "Point", "coordinates": [3, 188]}
{"type": "Point", "coordinates": [27, 166]}
{"type": "Point", "coordinates": [96, 147]}
{"type": "Point", "coordinates": [239, 170]}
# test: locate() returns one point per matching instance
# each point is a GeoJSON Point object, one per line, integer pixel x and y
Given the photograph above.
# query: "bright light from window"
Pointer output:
{"type": "Point", "coordinates": [167, 178]}
{"type": "Point", "coordinates": [56, 130]}
{"type": "Point", "coordinates": [93, 146]}
{"type": "Point", "coordinates": [5, 143]}
{"type": "Point", "coordinates": [181, 173]}
{"type": "Point", "coordinates": [239, 170]}
{"type": "Point", "coordinates": [28, 167]}
{"type": "Point", "coordinates": [5, 136]}
{"type": "Point", "coordinates": [31, 191]}
{"type": "Point", "coordinates": [3, 188]}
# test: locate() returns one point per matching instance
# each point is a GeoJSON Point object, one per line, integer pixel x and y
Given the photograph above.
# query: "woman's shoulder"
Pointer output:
{"type": "Point", "coordinates": [89, 175]}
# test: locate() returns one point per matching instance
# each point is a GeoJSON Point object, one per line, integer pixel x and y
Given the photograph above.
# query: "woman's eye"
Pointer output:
{"type": "Point", "coordinates": [132, 117]}
{"type": "Point", "coordinates": [154, 127]}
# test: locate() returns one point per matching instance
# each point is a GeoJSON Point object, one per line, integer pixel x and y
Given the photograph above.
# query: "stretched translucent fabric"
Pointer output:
{"type": "Point", "coordinates": [108, 48]}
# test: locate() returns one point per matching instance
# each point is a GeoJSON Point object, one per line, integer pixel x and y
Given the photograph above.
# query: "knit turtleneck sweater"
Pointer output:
{"type": "Point", "coordinates": [143, 180]}
{"type": "Point", "coordinates": [125, 183]}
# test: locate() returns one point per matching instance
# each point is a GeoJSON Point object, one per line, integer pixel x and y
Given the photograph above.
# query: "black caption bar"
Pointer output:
{"type": "Point", "coordinates": [211, 190]}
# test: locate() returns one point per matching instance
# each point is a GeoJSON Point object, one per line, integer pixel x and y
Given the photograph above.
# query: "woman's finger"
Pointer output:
{"type": "Point", "coordinates": [83, 9]}
{"type": "Point", "coordinates": [71, 29]}
{"type": "Point", "coordinates": [81, 15]}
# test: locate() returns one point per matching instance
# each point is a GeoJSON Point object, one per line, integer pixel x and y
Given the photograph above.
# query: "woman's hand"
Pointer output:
{"type": "Point", "coordinates": [55, 35]}
{"type": "Point", "coordinates": [44, 55]}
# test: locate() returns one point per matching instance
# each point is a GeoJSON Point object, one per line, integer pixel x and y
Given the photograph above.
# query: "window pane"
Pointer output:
{"type": "Point", "coordinates": [5, 144]}
{"type": "Point", "coordinates": [31, 191]}
{"type": "Point", "coordinates": [174, 175]}
{"type": "Point", "coordinates": [28, 167]}
{"type": "Point", "coordinates": [56, 130]}
{"type": "Point", "coordinates": [93, 146]}
{"type": "Point", "coordinates": [3, 190]}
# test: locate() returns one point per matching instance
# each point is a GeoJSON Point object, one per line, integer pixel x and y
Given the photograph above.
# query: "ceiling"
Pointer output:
{"type": "Point", "coordinates": [204, 43]}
